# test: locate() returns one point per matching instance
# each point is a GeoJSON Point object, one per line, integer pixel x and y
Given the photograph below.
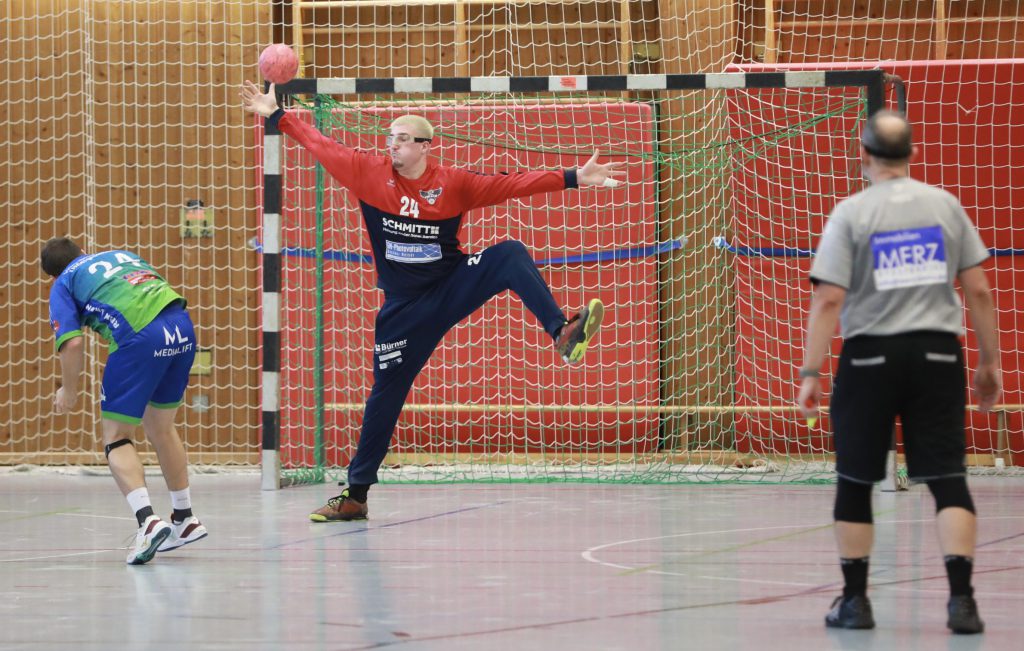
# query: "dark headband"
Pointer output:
{"type": "Point", "coordinates": [897, 151]}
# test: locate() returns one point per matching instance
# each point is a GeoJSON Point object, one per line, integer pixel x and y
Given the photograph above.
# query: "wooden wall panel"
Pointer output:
{"type": "Point", "coordinates": [871, 30]}
{"type": "Point", "coordinates": [697, 287]}
{"type": "Point", "coordinates": [854, 42]}
{"type": "Point", "coordinates": [164, 126]}
{"type": "Point", "coordinates": [1000, 39]}
{"type": "Point", "coordinates": [42, 194]}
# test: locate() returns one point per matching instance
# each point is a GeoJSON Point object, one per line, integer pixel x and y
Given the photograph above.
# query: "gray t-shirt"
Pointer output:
{"type": "Point", "coordinates": [896, 248]}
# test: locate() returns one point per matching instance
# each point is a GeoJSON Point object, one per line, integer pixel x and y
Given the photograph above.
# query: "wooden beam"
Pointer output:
{"type": "Point", "coordinates": [771, 49]}
{"type": "Point", "coordinates": [940, 30]}
{"type": "Point", "coordinates": [298, 36]}
{"type": "Point", "coordinates": [461, 41]}
{"type": "Point", "coordinates": [865, 22]}
{"type": "Point", "coordinates": [474, 27]}
{"type": "Point", "coordinates": [611, 409]}
{"type": "Point", "coordinates": [334, 4]}
{"type": "Point", "coordinates": [625, 37]}
{"type": "Point", "coordinates": [587, 409]}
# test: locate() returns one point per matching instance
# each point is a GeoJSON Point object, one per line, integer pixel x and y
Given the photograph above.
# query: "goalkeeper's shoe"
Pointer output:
{"type": "Point", "coordinates": [341, 508]}
{"type": "Point", "coordinates": [576, 335]}
{"type": "Point", "coordinates": [150, 536]}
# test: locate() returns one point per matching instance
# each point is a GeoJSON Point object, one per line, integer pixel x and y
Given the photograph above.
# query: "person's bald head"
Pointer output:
{"type": "Point", "coordinates": [888, 138]}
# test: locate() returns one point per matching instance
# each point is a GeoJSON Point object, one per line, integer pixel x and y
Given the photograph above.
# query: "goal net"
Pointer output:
{"type": "Point", "coordinates": [118, 114]}
{"type": "Point", "coordinates": [690, 377]}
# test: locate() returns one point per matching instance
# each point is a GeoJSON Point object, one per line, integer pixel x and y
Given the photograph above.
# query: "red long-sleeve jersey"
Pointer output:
{"type": "Point", "coordinates": [414, 225]}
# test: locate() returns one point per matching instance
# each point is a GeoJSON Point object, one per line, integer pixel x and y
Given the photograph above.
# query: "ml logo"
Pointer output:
{"type": "Point", "coordinates": [171, 338]}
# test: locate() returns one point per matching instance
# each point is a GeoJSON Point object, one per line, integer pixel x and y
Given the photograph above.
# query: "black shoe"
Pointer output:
{"type": "Point", "coordinates": [963, 615]}
{"type": "Point", "coordinates": [850, 612]}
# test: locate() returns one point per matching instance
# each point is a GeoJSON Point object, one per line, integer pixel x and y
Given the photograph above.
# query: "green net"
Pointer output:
{"type": "Point", "coordinates": [701, 258]}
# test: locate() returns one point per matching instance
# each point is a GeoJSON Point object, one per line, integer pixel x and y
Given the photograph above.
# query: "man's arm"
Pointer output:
{"type": "Point", "coordinates": [982, 312]}
{"type": "Point", "coordinates": [487, 190]}
{"type": "Point", "coordinates": [340, 161]}
{"type": "Point", "coordinates": [826, 305]}
{"type": "Point", "coordinates": [64, 321]}
{"type": "Point", "coordinates": [72, 362]}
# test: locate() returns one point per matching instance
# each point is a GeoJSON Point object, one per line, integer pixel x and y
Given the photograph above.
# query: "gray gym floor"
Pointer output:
{"type": "Point", "coordinates": [489, 567]}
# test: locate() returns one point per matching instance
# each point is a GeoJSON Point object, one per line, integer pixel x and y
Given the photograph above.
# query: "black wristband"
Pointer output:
{"type": "Point", "coordinates": [273, 118]}
{"type": "Point", "coordinates": [570, 179]}
{"type": "Point", "coordinates": [809, 372]}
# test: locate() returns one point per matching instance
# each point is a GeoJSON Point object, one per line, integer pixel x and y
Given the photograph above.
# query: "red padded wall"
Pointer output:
{"type": "Point", "coordinates": [501, 356]}
{"type": "Point", "coordinates": [968, 125]}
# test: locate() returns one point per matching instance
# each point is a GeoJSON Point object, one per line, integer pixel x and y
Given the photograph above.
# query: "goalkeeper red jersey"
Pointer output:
{"type": "Point", "coordinates": [414, 225]}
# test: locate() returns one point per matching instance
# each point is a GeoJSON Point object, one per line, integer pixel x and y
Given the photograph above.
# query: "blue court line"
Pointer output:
{"type": "Point", "coordinates": [609, 255]}
{"type": "Point", "coordinates": [787, 252]}
{"type": "Point", "coordinates": [349, 532]}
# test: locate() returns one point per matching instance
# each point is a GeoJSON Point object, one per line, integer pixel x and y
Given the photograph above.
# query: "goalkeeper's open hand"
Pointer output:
{"type": "Point", "coordinates": [256, 102]}
{"type": "Point", "coordinates": [594, 173]}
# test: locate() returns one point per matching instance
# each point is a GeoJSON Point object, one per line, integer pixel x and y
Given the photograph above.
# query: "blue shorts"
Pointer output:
{"type": "Point", "coordinates": [151, 368]}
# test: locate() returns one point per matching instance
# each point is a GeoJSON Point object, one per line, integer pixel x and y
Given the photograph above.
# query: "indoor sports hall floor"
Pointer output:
{"type": "Point", "coordinates": [560, 567]}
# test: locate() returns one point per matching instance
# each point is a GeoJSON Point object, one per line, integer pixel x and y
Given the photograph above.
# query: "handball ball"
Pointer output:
{"type": "Point", "coordinates": [278, 63]}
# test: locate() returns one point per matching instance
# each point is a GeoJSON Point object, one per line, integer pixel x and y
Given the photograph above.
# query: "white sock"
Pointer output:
{"type": "Point", "coordinates": [180, 500]}
{"type": "Point", "coordinates": [138, 499]}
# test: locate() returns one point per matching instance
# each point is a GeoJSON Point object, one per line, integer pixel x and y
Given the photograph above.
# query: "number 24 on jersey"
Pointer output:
{"type": "Point", "coordinates": [410, 208]}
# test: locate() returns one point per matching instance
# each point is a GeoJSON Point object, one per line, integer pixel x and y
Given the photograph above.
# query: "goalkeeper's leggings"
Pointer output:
{"type": "Point", "coordinates": [408, 330]}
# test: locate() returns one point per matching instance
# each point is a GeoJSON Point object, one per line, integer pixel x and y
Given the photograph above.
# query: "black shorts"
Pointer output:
{"type": "Point", "coordinates": [918, 376]}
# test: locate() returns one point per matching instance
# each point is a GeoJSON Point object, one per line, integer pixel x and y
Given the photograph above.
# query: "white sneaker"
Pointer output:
{"type": "Point", "coordinates": [187, 531]}
{"type": "Point", "coordinates": [151, 535]}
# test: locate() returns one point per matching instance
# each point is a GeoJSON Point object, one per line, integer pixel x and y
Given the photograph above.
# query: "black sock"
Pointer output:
{"type": "Point", "coordinates": [143, 513]}
{"type": "Point", "coordinates": [358, 492]}
{"type": "Point", "coordinates": [959, 569]}
{"type": "Point", "coordinates": [179, 515]}
{"type": "Point", "coordinates": [855, 573]}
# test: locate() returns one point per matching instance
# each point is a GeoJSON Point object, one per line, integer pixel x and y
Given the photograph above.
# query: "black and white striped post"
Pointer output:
{"type": "Point", "coordinates": [271, 472]}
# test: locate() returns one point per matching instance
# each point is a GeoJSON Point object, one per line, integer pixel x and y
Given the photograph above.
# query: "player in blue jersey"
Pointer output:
{"type": "Point", "coordinates": [152, 345]}
{"type": "Point", "coordinates": [413, 209]}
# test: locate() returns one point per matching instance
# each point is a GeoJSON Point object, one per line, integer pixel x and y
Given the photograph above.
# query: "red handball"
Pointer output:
{"type": "Point", "coordinates": [278, 63]}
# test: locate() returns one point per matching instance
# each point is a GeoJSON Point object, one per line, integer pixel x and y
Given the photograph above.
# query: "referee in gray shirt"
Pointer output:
{"type": "Point", "coordinates": [885, 270]}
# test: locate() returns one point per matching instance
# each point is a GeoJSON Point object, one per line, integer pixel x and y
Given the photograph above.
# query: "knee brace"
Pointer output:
{"type": "Point", "coordinates": [853, 502]}
{"type": "Point", "coordinates": [951, 491]}
{"type": "Point", "coordinates": [107, 449]}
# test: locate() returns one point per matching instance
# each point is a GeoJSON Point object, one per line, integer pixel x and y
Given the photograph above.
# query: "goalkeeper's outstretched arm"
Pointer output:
{"type": "Point", "coordinates": [340, 161]}
{"type": "Point", "coordinates": [482, 190]}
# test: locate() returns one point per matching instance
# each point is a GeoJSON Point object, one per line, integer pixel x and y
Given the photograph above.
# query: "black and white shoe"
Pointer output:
{"type": "Point", "coordinates": [187, 531]}
{"type": "Point", "coordinates": [150, 536]}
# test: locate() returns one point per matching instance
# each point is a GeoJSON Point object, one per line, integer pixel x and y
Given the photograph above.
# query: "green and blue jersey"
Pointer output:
{"type": "Point", "coordinates": [114, 293]}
